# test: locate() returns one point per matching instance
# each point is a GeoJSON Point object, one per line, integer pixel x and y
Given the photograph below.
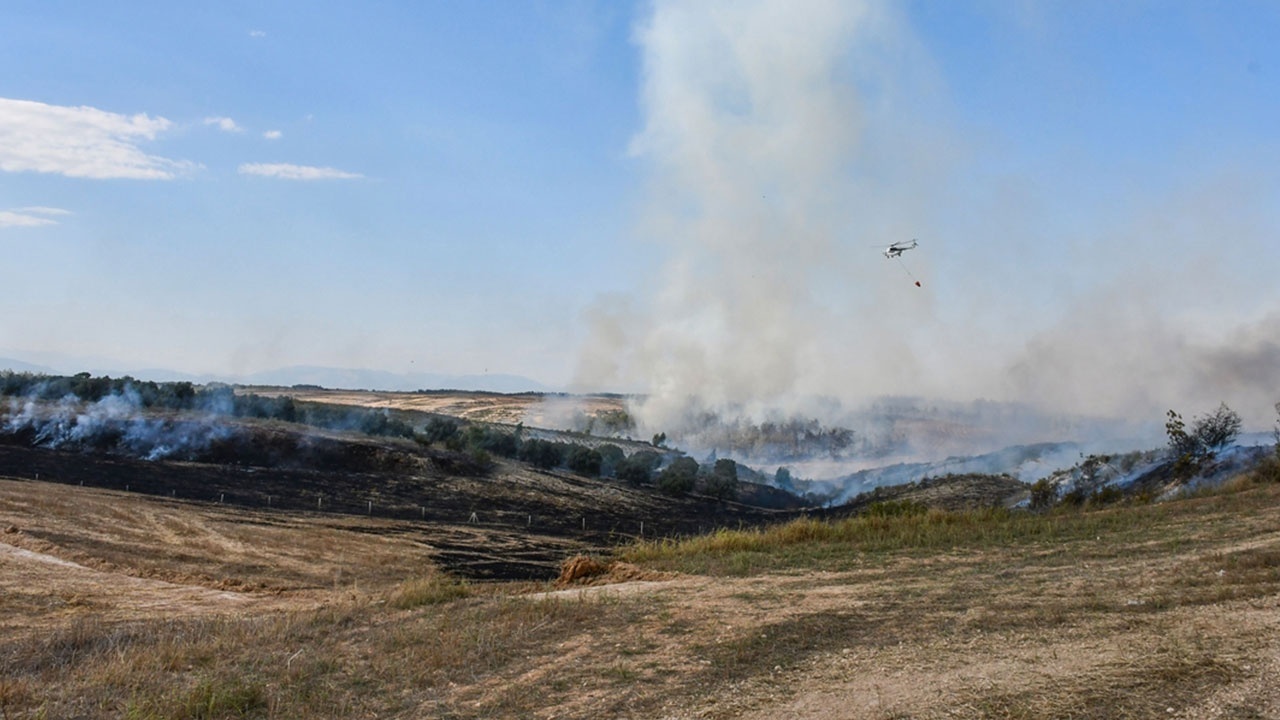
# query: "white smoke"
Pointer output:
{"type": "Point", "coordinates": [786, 140]}
{"type": "Point", "coordinates": [116, 423]}
{"type": "Point", "coordinates": [752, 123]}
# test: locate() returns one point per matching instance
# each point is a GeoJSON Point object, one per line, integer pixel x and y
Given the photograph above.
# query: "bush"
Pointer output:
{"type": "Point", "coordinates": [679, 477]}
{"type": "Point", "coordinates": [1044, 493]}
{"type": "Point", "coordinates": [782, 478]}
{"type": "Point", "coordinates": [1215, 432]}
{"type": "Point", "coordinates": [1268, 470]}
{"type": "Point", "coordinates": [491, 441]}
{"type": "Point", "coordinates": [633, 472]}
{"type": "Point", "coordinates": [541, 453]}
{"type": "Point", "coordinates": [432, 590]}
{"type": "Point", "coordinates": [480, 459]}
{"type": "Point", "coordinates": [648, 458]}
{"type": "Point", "coordinates": [439, 430]}
{"type": "Point", "coordinates": [722, 483]}
{"type": "Point", "coordinates": [1105, 495]}
{"type": "Point", "coordinates": [584, 461]}
{"type": "Point", "coordinates": [1208, 435]}
{"type": "Point", "coordinates": [610, 456]}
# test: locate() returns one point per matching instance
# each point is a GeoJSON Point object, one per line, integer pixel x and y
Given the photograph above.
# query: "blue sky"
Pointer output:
{"type": "Point", "coordinates": [512, 186]}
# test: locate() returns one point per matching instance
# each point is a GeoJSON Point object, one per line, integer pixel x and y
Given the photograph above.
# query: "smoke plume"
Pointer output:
{"type": "Point", "coordinates": [115, 423]}
{"type": "Point", "coordinates": [787, 143]}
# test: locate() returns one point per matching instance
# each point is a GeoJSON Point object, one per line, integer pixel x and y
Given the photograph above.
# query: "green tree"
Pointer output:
{"type": "Point", "coordinates": [679, 477]}
{"type": "Point", "coordinates": [633, 471]}
{"type": "Point", "coordinates": [782, 478]}
{"type": "Point", "coordinates": [610, 456]}
{"type": "Point", "coordinates": [491, 441]}
{"type": "Point", "coordinates": [1208, 436]}
{"type": "Point", "coordinates": [722, 482]}
{"type": "Point", "coordinates": [650, 459]}
{"type": "Point", "coordinates": [541, 453]}
{"type": "Point", "coordinates": [1180, 442]}
{"type": "Point", "coordinates": [1216, 431]}
{"type": "Point", "coordinates": [584, 461]}
{"type": "Point", "coordinates": [1044, 493]}
{"type": "Point", "coordinates": [439, 429]}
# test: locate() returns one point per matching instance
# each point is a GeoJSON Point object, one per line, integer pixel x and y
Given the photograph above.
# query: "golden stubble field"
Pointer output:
{"type": "Point", "coordinates": [550, 411]}
{"type": "Point", "coordinates": [118, 605]}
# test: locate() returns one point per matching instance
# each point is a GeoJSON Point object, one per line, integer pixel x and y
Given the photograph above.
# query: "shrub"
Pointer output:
{"type": "Point", "coordinates": [633, 472]}
{"type": "Point", "coordinates": [1218, 430]}
{"type": "Point", "coordinates": [610, 456]}
{"type": "Point", "coordinates": [722, 483]}
{"type": "Point", "coordinates": [782, 478]}
{"type": "Point", "coordinates": [492, 441]}
{"type": "Point", "coordinates": [648, 458]}
{"type": "Point", "coordinates": [1208, 435]}
{"type": "Point", "coordinates": [433, 590]}
{"type": "Point", "coordinates": [541, 453]}
{"type": "Point", "coordinates": [679, 477]}
{"type": "Point", "coordinates": [1105, 495]}
{"type": "Point", "coordinates": [584, 461]}
{"type": "Point", "coordinates": [1044, 493]}
{"type": "Point", "coordinates": [1268, 471]}
{"type": "Point", "coordinates": [439, 430]}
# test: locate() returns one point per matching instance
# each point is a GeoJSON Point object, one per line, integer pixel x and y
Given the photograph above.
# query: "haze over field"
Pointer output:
{"type": "Point", "coordinates": [682, 199]}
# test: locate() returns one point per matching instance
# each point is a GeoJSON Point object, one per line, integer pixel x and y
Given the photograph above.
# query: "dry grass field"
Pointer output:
{"type": "Point", "coordinates": [121, 605]}
{"type": "Point", "coordinates": [533, 409]}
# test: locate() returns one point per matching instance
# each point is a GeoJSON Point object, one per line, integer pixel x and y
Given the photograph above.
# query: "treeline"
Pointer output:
{"type": "Point", "coordinates": [213, 398]}
{"type": "Point", "coordinates": [670, 472]}
{"type": "Point", "coordinates": [789, 439]}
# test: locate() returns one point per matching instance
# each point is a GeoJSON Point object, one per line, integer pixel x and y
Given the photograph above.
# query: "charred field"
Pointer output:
{"type": "Point", "coordinates": [272, 569]}
{"type": "Point", "coordinates": [518, 522]}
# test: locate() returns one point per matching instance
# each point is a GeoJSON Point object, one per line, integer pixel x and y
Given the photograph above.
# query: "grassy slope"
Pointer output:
{"type": "Point", "coordinates": [1140, 611]}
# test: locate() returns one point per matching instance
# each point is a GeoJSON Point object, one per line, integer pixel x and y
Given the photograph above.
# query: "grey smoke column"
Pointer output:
{"type": "Point", "coordinates": [751, 123]}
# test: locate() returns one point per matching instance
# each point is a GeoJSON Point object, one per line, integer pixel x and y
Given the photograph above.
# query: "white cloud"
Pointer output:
{"type": "Point", "coordinates": [40, 210]}
{"type": "Point", "coordinates": [285, 171]}
{"type": "Point", "coordinates": [31, 216]}
{"type": "Point", "coordinates": [81, 142]}
{"type": "Point", "coordinates": [257, 33]}
{"type": "Point", "coordinates": [224, 124]}
{"type": "Point", "coordinates": [273, 134]}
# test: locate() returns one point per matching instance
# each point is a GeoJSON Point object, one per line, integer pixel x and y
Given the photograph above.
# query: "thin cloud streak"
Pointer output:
{"type": "Point", "coordinates": [31, 216]}
{"type": "Point", "coordinates": [224, 124]}
{"type": "Point", "coordinates": [287, 171]}
{"type": "Point", "coordinates": [82, 142]}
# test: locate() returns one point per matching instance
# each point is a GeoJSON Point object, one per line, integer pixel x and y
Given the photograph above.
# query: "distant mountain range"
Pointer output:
{"type": "Point", "coordinates": [333, 378]}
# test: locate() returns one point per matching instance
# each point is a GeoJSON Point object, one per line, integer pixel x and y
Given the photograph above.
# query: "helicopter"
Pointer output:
{"type": "Point", "coordinates": [896, 249]}
{"type": "Point", "coordinates": [894, 252]}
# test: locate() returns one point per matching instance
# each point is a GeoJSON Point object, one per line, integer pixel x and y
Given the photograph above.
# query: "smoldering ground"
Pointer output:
{"type": "Point", "coordinates": [115, 423]}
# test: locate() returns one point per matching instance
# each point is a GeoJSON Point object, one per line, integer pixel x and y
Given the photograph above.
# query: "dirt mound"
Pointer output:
{"type": "Point", "coordinates": [582, 570]}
